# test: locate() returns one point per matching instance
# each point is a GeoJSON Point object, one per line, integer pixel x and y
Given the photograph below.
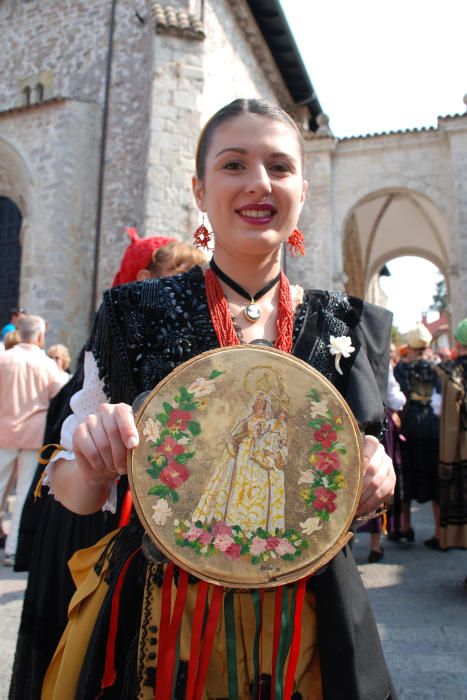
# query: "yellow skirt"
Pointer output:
{"type": "Point", "coordinates": [63, 673]}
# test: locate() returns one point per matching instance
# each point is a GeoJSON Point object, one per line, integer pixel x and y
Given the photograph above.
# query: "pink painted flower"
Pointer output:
{"type": "Point", "coordinates": [178, 420]}
{"type": "Point", "coordinates": [222, 542]}
{"type": "Point", "coordinates": [233, 551]}
{"type": "Point", "coordinates": [285, 547]}
{"type": "Point", "coordinates": [326, 435]}
{"type": "Point", "coordinates": [174, 475]}
{"type": "Point", "coordinates": [272, 542]}
{"type": "Point", "coordinates": [324, 499]}
{"type": "Point", "coordinates": [258, 545]}
{"type": "Point", "coordinates": [193, 534]}
{"type": "Point", "coordinates": [327, 462]}
{"type": "Point", "coordinates": [205, 537]}
{"type": "Point", "coordinates": [170, 447]}
{"type": "Point", "coordinates": [222, 528]}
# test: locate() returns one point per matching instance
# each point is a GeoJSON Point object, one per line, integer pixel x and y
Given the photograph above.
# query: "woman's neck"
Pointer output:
{"type": "Point", "coordinates": [252, 273]}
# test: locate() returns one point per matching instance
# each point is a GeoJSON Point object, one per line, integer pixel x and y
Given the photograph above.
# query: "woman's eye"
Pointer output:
{"type": "Point", "coordinates": [233, 165]}
{"type": "Point", "coordinates": [281, 167]}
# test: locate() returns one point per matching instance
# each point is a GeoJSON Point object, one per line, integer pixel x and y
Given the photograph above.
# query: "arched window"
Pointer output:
{"type": "Point", "coordinates": [10, 257]}
{"type": "Point", "coordinates": [39, 93]}
{"type": "Point", "coordinates": [26, 96]}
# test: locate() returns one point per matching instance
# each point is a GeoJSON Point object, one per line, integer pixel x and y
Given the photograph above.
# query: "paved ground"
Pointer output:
{"type": "Point", "coordinates": [419, 603]}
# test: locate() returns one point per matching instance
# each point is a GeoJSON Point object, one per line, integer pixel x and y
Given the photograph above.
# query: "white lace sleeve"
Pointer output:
{"type": "Point", "coordinates": [396, 398]}
{"type": "Point", "coordinates": [84, 402]}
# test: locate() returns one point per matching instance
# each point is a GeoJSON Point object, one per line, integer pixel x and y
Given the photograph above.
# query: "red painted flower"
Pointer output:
{"type": "Point", "coordinates": [327, 462]}
{"type": "Point", "coordinates": [324, 499]}
{"type": "Point", "coordinates": [233, 551]}
{"type": "Point", "coordinates": [174, 475]}
{"type": "Point", "coordinates": [325, 435]}
{"type": "Point", "coordinates": [170, 447]}
{"type": "Point", "coordinates": [178, 420]}
{"type": "Point", "coordinates": [272, 543]}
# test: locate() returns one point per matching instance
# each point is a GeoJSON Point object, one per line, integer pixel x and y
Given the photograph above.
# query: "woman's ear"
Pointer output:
{"type": "Point", "coordinates": [143, 274]}
{"type": "Point", "coordinates": [198, 192]}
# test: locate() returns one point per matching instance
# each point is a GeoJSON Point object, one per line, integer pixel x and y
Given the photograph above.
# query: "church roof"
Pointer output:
{"type": "Point", "coordinates": [416, 130]}
{"type": "Point", "coordinates": [175, 20]}
{"type": "Point", "coordinates": [273, 25]}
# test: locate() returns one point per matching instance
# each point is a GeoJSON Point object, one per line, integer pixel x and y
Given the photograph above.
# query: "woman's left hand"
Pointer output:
{"type": "Point", "coordinates": [379, 477]}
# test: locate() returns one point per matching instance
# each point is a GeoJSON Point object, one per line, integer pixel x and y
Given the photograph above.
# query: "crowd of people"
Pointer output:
{"type": "Point", "coordinates": [90, 580]}
{"type": "Point", "coordinates": [425, 414]}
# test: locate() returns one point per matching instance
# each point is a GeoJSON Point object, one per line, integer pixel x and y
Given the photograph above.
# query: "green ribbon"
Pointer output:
{"type": "Point", "coordinates": [256, 597]}
{"type": "Point", "coordinates": [231, 644]}
{"type": "Point", "coordinates": [285, 640]}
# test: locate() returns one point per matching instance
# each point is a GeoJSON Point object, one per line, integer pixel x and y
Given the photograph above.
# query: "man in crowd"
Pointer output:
{"type": "Point", "coordinates": [28, 381]}
{"type": "Point", "coordinates": [14, 318]}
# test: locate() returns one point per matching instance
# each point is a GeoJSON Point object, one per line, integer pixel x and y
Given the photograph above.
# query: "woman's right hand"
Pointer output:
{"type": "Point", "coordinates": [101, 441]}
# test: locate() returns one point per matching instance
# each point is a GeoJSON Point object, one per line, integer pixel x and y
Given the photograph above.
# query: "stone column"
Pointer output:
{"type": "Point", "coordinates": [456, 129]}
{"type": "Point", "coordinates": [321, 267]}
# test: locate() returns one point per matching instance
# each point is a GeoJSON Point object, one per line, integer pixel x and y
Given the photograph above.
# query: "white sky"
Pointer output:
{"type": "Point", "coordinates": [380, 66]}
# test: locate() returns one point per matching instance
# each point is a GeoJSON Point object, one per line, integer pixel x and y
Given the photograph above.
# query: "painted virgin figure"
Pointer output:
{"type": "Point", "coordinates": [246, 487]}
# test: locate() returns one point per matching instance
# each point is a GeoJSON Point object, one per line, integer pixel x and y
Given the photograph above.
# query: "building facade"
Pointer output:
{"type": "Point", "coordinates": [100, 108]}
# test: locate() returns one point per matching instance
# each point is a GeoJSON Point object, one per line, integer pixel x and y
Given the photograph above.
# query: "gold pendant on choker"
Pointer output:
{"type": "Point", "coordinates": [252, 311]}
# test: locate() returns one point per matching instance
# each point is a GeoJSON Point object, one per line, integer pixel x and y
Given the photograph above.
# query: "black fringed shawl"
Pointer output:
{"type": "Point", "coordinates": [144, 330]}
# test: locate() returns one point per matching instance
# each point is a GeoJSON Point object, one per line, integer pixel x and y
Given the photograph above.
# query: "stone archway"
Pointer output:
{"type": "Point", "coordinates": [15, 205]}
{"type": "Point", "coordinates": [390, 223]}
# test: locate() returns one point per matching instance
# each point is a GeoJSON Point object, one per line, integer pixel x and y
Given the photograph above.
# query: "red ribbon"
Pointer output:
{"type": "Point", "coordinates": [109, 676]}
{"type": "Point", "coordinates": [126, 509]}
{"type": "Point", "coordinates": [208, 640]}
{"type": "Point", "coordinates": [297, 633]}
{"type": "Point", "coordinates": [196, 631]}
{"type": "Point", "coordinates": [167, 652]}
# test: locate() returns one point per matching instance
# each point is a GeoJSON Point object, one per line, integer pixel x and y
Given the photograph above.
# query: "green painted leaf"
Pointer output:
{"type": "Point", "coordinates": [194, 427]}
{"type": "Point", "coordinates": [314, 395]}
{"type": "Point", "coordinates": [154, 473]}
{"type": "Point", "coordinates": [167, 407]}
{"type": "Point", "coordinates": [162, 418]}
{"type": "Point", "coordinates": [316, 423]}
{"type": "Point", "coordinates": [184, 457]}
{"type": "Point", "coordinates": [215, 373]}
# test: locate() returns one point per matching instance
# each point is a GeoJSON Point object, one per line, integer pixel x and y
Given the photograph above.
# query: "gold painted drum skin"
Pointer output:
{"type": "Point", "coordinates": [249, 467]}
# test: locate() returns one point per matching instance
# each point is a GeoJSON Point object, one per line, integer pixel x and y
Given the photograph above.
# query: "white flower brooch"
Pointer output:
{"type": "Point", "coordinates": [340, 347]}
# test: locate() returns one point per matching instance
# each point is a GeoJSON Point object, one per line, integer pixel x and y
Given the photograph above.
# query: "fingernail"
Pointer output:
{"type": "Point", "coordinates": [132, 442]}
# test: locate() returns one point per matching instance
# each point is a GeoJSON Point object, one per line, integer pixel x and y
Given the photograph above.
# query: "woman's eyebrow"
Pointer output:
{"type": "Point", "coordinates": [235, 149]}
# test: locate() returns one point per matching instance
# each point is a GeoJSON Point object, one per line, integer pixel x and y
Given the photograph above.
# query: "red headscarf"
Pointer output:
{"type": "Point", "coordinates": [137, 256]}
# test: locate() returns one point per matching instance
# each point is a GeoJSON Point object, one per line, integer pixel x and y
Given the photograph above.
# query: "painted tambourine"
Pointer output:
{"type": "Point", "coordinates": [249, 467]}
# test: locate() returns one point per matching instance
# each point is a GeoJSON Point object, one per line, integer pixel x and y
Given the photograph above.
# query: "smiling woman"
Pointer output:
{"type": "Point", "coordinates": [122, 640]}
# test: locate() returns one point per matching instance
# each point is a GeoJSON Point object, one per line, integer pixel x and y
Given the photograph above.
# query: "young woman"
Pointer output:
{"type": "Point", "coordinates": [249, 180]}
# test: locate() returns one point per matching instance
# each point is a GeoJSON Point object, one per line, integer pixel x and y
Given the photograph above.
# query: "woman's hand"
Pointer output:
{"type": "Point", "coordinates": [101, 441]}
{"type": "Point", "coordinates": [379, 477]}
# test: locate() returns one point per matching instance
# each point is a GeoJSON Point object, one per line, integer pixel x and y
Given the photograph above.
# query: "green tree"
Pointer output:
{"type": "Point", "coordinates": [440, 297]}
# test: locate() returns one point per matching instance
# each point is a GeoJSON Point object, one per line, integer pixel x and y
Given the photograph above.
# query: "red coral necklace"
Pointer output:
{"type": "Point", "coordinates": [222, 320]}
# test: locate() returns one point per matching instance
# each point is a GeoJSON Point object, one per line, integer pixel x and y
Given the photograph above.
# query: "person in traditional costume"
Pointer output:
{"type": "Point", "coordinates": [249, 181]}
{"type": "Point", "coordinates": [453, 446]}
{"type": "Point", "coordinates": [49, 533]}
{"type": "Point", "coordinates": [419, 381]}
{"type": "Point", "coordinates": [389, 523]}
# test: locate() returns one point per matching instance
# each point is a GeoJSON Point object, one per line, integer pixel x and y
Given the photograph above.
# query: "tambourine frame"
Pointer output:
{"type": "Point", "coordinates": [267, 579]}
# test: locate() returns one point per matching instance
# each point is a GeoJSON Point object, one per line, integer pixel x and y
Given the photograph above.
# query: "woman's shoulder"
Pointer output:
{"type": "Point", "coordinates": [353, 309]}
{"type": "Point", "coordinates": [163, 292]}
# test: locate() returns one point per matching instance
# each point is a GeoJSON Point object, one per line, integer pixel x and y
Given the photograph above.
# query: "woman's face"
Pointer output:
{"type": "Point", "coordinates": [259, 407]}
{"type": "Point", "coordinates": [253, 188]}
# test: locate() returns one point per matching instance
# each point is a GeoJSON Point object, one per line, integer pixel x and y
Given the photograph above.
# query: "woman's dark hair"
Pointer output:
{"type": "Point", "coordinates": [235, 109]}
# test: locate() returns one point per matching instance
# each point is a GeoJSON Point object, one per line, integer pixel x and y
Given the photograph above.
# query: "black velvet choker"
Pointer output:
{"type": "Point", "coordinates": [252, 311]}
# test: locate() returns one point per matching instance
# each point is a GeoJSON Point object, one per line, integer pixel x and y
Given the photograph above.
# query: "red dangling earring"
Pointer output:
{"type": "Point", "coordinates": [295, 242]}
{"type": "Point", "coordinates": [202, 236]}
